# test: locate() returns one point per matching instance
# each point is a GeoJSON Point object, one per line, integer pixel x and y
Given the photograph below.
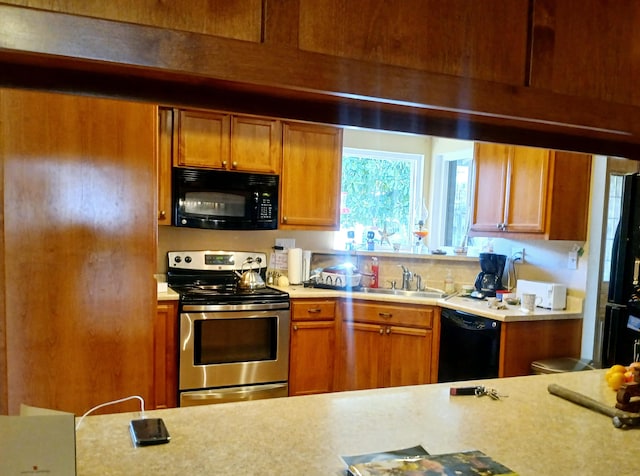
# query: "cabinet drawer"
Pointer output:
{"type": "Point", "coordinates": [313, 310]}
{"type": "Point", "coordinates": [395, 315]}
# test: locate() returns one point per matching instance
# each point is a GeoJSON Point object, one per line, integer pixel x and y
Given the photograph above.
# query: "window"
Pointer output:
{"type": "Point", "coordinates": [381, 195]}
{"type": "Point", "coordinates": [457, 202]}
{"type": "Point", "coordinates": [614, 210]}
{"type": "Point", "coordinates": [452, 195]}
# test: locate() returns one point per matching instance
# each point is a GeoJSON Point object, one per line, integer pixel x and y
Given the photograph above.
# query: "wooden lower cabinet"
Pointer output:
{"type": "Point", "coordinates": [312, 355]}
{"type": "Point", "coordinates": [522, 343]}
{"type": "Point", "coordinates": [165, 351]}
{"type": "Point", "coordinates": [385, 345]}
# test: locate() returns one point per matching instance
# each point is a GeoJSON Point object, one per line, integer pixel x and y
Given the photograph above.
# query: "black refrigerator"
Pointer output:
{"type": "Point", "coordinates": [621, 331]}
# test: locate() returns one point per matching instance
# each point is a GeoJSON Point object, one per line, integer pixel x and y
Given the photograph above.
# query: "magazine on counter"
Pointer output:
{"type": "Point", "coordinates": [465, 463]}
{"type": "Point", "coordinates": [399, 455]}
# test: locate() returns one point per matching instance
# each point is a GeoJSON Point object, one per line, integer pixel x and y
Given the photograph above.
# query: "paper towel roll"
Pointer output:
{"type": "Point", "coordinates": [306, 265]}
{"type": "Point", "coordinates": [295, 265]}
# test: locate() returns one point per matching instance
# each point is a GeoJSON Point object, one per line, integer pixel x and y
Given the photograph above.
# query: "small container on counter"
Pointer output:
{"type": "Point", "coordinates": [501, 294]}
{"type": "Point", "coordinates": [375, 270]}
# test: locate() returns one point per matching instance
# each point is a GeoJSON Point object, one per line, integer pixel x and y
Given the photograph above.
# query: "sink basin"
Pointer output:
{"type": "Point", "coordinates": [427, 293]}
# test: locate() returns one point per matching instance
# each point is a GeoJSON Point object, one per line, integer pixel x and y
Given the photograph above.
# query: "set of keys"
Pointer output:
{"type": "Point", "coordinates": [478, 391]}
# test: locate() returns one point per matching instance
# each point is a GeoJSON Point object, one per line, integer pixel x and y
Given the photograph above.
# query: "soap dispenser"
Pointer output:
{"type": "Point", "coordinates": [449, 284]}
{"type": "Point", "coordinates": [375, 269]}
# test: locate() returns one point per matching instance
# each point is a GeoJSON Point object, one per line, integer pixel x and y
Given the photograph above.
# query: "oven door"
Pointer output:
{"type": "Point", "coordinates": [233, 348]}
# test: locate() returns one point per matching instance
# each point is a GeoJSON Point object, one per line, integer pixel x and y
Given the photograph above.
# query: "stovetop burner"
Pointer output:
{"type": "Point", "coordinates": [205, 277]}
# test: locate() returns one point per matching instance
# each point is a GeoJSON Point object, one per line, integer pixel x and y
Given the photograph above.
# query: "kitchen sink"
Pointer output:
{"type": "Point", "coordinates": [427, 293]}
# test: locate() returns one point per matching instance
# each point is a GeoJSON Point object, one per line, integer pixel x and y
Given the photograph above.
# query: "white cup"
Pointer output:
{"type": "Point", "coordinates": [529, 302]}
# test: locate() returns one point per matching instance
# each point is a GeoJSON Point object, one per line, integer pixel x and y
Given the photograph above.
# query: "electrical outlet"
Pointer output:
{"type": "Point", "coordinates": [517, 254]}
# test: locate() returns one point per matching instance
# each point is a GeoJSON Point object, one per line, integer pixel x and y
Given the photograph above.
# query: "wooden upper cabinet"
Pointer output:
{"type": "Point", "coordinates": [511, 186]}
{"type": "Point", "coordinates": [586, 48]}
{"type": "Point", "coordinates": [163, 161]}
{"type": "Point", "coordinates": [201, 139]}
{"type": "Point", "coordinates": [532, 192]}
{"type": "Point", "coordinates": [239, 19]}
{"type": "Point", "coordinates": [227, 142]}
{"type": "Point", "coordinates": [491, 168]}
{"type": "Point", "coordinates": [482, 40]}
{"type": "Point", "coordinates": [310, 177]}
{"type": "Point", "coordinates": [256, 144]}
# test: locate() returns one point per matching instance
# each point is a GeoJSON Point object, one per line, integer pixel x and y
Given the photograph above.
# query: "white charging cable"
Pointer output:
{"type": "Point", "coordinates": [113, 403]}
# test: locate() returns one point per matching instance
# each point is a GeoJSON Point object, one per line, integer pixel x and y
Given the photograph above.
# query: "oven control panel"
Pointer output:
{"type": "Point", "coordinates": [216, 260]}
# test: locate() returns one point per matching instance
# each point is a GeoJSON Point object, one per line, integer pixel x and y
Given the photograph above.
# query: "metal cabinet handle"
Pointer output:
{"type": "Point", "coordinates": [385, 315]}
{"type": "Point", "coordinates": [224, 163]}
{"type": "Point", "coordinates": [163, 214]}
{"type": "Point", "coordinates": [381, 331]}
{"type": "Point", "coordinates": [234, 164]}
{"type": "Point", "coordinates": [313, 311]}
{"type": "Point", "coordinates": [388, 330]}
{"type": "Point", "coordinates": [295, 328]}
{"type": "Point", "coordinates": [284, 219]}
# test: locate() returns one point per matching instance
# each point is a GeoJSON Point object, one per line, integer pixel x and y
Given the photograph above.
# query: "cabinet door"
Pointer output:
{"type": "Point", "coordinates": [361, 356]}
{"type": "Point", "coordinates": [310, 178]}
{"type": "Point", "coordinates": [311, 358]}
{"type": "Point", "coordinates": [527, 190]}
{"type": "Point", "coordinates": [165, 360]}
{"type": "Point", "coordinates": [408, 356]}
{"type": "Point", "coordinates": [90, 341]}
{"type": "Point", "coordinates": [202, 139]}
{"type": "Point", "coordinates": [165, 129]}
{"type": "Point", "coordinates": [255, 144]}
{"type": "Point", "coordinates": [491, 166]}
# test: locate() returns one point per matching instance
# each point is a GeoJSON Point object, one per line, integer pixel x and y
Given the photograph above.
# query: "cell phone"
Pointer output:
{"type": "Point", "coordinates": [149, 431]}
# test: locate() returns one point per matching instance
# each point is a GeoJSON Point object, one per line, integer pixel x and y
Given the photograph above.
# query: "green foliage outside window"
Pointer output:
{"type": "Point", "coordinates": [376, 192]}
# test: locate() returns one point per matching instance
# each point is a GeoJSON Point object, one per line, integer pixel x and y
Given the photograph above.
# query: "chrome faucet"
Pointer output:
{"type": "Point", "coordinates": [406, 277]}
{"type": "Point", "coordinates": [418, 282]}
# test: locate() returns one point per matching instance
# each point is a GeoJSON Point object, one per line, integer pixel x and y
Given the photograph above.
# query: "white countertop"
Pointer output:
{"type": "Point", "coordinates": [530, 431]}
{"type": "Point", "coordinates": [473, 306]}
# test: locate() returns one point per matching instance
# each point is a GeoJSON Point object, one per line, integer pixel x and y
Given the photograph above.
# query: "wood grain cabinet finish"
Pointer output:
{"type": "Point", "coordinates": [311, 360]}
{"type": "Point", "coordinates": [163, 164]}
{"type": "Point", "coordinates": [530, 192]}
{"type": "Point", "coordinates": [383, 345]}
{"type": "Point", "coordinates": [310, 176]}
{"type": "Point", "coordinates": [227, 142]}
{"type": "Point", "coordinates": [79, 227]}
{"type": "Point", "coordinates": [165, 355]}
{"type": "Point", "coordinates": [586, 48]}
{"type": "Point", "coordinates": [239, 19]}
{"type": "Point", "coordinates": [457, 38]}
{"type": "Point", "coordinates": [522, 343]}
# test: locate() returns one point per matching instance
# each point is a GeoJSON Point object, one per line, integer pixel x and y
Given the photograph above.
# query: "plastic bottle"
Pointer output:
{"type": "Point", "coordinates": [375, 269]}
{"type": "Point", "coordinates": [449, 284]}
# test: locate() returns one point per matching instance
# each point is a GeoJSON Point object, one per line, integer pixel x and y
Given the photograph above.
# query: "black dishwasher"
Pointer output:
{"type": "Point", "coordinates": [469, 347]}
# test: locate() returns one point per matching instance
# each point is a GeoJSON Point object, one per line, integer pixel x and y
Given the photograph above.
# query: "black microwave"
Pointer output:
{"type": "Point", "coordinates": [221, 200]}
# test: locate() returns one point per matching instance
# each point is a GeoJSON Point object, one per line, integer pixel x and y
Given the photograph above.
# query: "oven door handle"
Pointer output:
{"type": "Point", "coordinates": [234, 394]}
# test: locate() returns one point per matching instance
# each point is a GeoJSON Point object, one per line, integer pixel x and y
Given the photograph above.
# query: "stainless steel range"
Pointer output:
{"type": "Point", "coordinates": [234, 330]}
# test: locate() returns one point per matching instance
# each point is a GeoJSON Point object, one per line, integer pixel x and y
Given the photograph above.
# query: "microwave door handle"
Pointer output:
{"type": "Point", "coordinates": [636, 271]}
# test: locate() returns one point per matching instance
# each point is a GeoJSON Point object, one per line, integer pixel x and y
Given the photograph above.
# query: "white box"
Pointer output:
{"type": "Point", "coordinates": [553, 295]}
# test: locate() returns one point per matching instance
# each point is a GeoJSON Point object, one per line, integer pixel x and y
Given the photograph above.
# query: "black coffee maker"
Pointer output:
{"type": "Point", "coordinates": [489, 280]}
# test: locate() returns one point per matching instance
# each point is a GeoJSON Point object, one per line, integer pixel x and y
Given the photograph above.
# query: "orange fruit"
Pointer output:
{"type": "Point", "coordinates": [618, 368]}
{"type": "Point", "coordinates": [616, 380]}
